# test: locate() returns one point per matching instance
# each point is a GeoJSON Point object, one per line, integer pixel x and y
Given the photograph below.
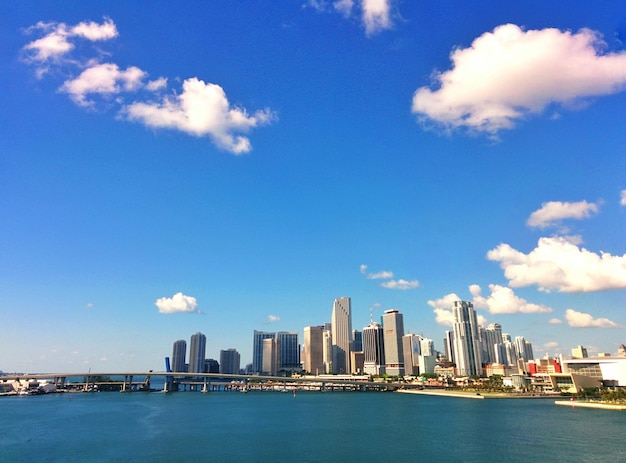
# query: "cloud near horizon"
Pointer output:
{"type": "Point", "coordinates": [510, 74]}
{"type": "Point", "coordinates": [202, 109]}
{"type": "Point", "coordinates": [558, 263]}
{"type": "Point", "coordinates": [584, 320]}
{"type": "Point", "coordinates": [399, 284]}
{"type": "Point", "coordinates": [178, 303]}
{"type": "Point", "coordinates": [554, 211]}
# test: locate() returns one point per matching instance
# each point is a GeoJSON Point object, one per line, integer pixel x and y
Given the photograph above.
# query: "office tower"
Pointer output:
{"type": "Point", "coordinates": [341, 323]}
{"type": "Point", "coordinates": [448, 345]}
{"type": "Point", "coordinates": [529, 350]}
{"type": "Point", "coordinates": [289, 352]}
{"type": "Point", "coordinates": [393, 328]}
{"type": "Point", "coordinates": [211, 366]}
{"type": "Point", "coordinates": [230, 361]}
{"type": "Point", "coordinates": [411, 348]}
{"type": "Point", "coordinates": [524, 348]}
{"type": "Point", "coordinates": [313, 349]}
{"type": "Point", "coordinates": [500, 354]}
{"type": "Point", "coordinates": [506, 337]}
{"type": "Point", "coordinates": [357, 341]}
{"type": "Point", "coordinates": [492, 336]}
{"type": "Point", "coordinates": [196, 353]}
{"type": "Point", "coordinates": [271, 356]}
{"type": "Point", "coordinates": [373, 349]}
{"type": "Point", "coordinates": [178, 355]}
{"type": "Point", "coordinates": [257, 349]}
{"type": "Point", "coordinates": [428, 356]}
{"type": "Point", "coordinates": [466, 342]}
{"type": "Point", "coordinates": [327, 349]}
{"type": "Point", "coordinates": [357, 361]}
{"type": "Point", "coordinates": [579, 352]}
{"type": "Point", "coordinates": [511, 353]}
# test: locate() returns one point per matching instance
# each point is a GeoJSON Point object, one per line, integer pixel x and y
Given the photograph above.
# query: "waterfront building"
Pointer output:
{"type": "Point", "coordinates": [289, 352]}
{"type": "Point", "coordinates": [357, 341]}
{"type": "Point", "coordinates": [524, 348]}
{"type": "Point", "coordinates": [511, 353]}
{"type": "Point", "coordinates": [448, 345]}
{"type": "Point", "coordinates": [428, 356]}
{"type": "Point", "coordinates": [393, 330]}
{"type": "Point", "coordinates": [466, 342]}
{"type": "Point", "coordinates": [313, 349]}
{"type": "Point", "coordinates": [211, 366]}
{"type": "Point", "coordinates": [257, 349]}
{"type": "Point", "coordinates": [230, 361]}
{"type": "Point", "coordinates": [341, 324]}
{"type": "Point", "coordinates": [492, 335]}
{"type": "Point", "coordinates": [411, 350]}
{"type": "Point", "coordinates": [179, 353]}
{"type": "Point", "coordinates": [357, 360]}
{"type": "Point", "coordinates": [197, 349]}
{"type": "Point", "coordinates": [500, 352]}
{"type": "Point", "coordinates": [327, 348]}
{"type": "Point", "coordinates": [373, 349]}
{"type": "Point", "coordinates": [579, 352]}
{"type": "Point", "coordinates": [271, 356]}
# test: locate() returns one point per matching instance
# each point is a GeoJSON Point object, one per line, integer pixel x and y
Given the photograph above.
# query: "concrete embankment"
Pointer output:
{"type": "Point", "coordinates": [443, 393]}
{"type": "Point", "coordinates": [600, 405]}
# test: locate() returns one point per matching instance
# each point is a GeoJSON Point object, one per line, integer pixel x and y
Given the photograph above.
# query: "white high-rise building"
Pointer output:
{"type": "Point", "coordinates": [313, 349]}
{"type": "Point", "coordinates": [393, 329]}
{"type": "Point", "coordinates": [492, 336]}
{"type": "Point", "coordinates": [373, 349]}
{"type": "Point", "coordinates": [197, 350]}
{"type": "Point", "coordinates": [466, 341]}
{"type": "Point", "coordinates": [327, 348]}
{"type": "Point", "coordinates": [341, 322]}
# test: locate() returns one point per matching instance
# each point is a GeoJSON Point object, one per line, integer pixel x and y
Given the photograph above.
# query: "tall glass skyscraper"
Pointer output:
{"type": "Point", "coordinates": [393, 328]}
{"type": "Point", "coordinates": [466, 340]}
{"type": "Point", "coordinates": [341, 322]}
{"type": "Point", "coordinates": [257, 349]}
{"type": "Point", "coordinates": [373, 349]}
{"type": "Point", "coordinates": [197, 352]}
{"type": "Point", "coordinates": [289, 357]}
{"type": "Point", "coordinates": [179, 353]}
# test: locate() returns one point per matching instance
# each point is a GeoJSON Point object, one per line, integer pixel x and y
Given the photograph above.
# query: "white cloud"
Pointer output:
{"type": "Point", "coordinates": [503, 300]}
{"type": "Point", "coordinates": [584, 320]}
{"type": "Point", "coordinates": [509, 74]}
{"type": "Point", "coordinates": [444, 315]}
{"type": "Point", "coordinates": [273, 318]}
{"type": "Point", "coordinates": [559, 264]}
{"type": "Point", "coordinates": [400, 284]}
{"type": "Point", "coordinates": [157, 84]}
{"type": "Point", "coordinates": [623, 198]}
{"type": "Point", "coordinates": [385, 274]}
{"type": "Point", "coordinates": [555, 321]}
{"type": "Point", "coordinates": [554, 211]}
{"type": "Point", "coordinates": [177, 303]}
{"type": "Point", "coordinates": [344, 7]}
{"type": "Point", "coordinates": [56, 42]}
{"type": "Point", "coordinates": [202, 109]}
{"type": "Point", "coordinates": [103, 79]}
{"type": "Point", "coordinates": [376, 15]}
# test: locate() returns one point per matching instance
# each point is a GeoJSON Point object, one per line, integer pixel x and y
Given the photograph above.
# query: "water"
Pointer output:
{"type": "Point", "coordinates": [310, 427]}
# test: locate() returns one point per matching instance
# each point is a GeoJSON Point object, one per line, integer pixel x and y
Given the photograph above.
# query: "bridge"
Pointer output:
{"type": "Point", "coordinates": [127, 381]}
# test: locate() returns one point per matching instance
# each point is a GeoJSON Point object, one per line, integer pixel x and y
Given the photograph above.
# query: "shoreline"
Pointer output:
{"type": "Point", "coordinates": [473, 395]}
{"type": "Point", "coordinates": [597, 405]}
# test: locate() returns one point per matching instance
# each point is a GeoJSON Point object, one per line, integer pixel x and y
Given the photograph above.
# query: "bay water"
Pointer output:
{"type": "Point", "coordinates": [306, 427]}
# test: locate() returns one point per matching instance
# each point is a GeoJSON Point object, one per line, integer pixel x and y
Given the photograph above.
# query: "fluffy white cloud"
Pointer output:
{"type": "Point", "coordinates": [554, 211]}
{"type": "Point", "coordinates": [444, 315]}
{"type": "Point", "coordinates": [157, 84]}
{"type": "Point", "coordinates": [56, 42]}
{"type": "Point", "coordinates": [559, 264]}
{"type": "Point", "coordinates": [201, 109]}
{"type": "Point", "coordinates": [555, 321]}
{"type": "Point", "coordinates": [376, 16]}
{"type": "Point", "coordinates": [400, 284]}
{"type": "Point", "coordinates": [584, 320]}
{"type": "Point", "coordinates": [273, 318]}
{"type": "Point", "coordinates": [177, 303]}
{"type": "Point", "coordinates": [103, 79]}
{"type": "Point", "coordinates": [504, 300]}
{"type": "Point", "coordinates": [508, 74]}
{"type": "Point", "coordinates": [623, 198]}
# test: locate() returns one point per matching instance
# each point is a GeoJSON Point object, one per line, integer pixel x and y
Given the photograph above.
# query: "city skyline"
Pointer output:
{"type": "Point", "coordinates": [223, 168]}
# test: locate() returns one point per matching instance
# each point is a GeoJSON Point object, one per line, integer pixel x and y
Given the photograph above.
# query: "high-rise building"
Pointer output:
{"type": "Point", "coordinates": [579, 352]}
{"type": "Point", "coordinates": [197, 350]}
{"type": "Point", "coordinates": [449, 346]}
{"type": "Point", "coordinates": [357, 341]}
{"type": "Point", "coordinates": [289, 352]}
{"type": "Point", "coordinates": [524, 348]}
{"type": "Point", "coordinates": [257, 349]}
{"type": "Point", "coordinates": [373, 349]}
{"type": "Point", "coordinates": [492, 336]}
{"type": "Point", "coordinates": [411, 348]}
{"type": "Point", "coordinates": [211, 366]}
{"type": "Point", "coordinates": [467, 345]}
{"type": "Point", "coordinates": [327, 348]}
{"type": "Point", "coordinates": [313, 349]}
{"type": "Point", "coordinates": [393, 329]}
{"type": "Point", "coordinates": [428, 356]}
{"type": "Point", "coordinates": [511, 353]}
{"type": "Point", "coordinates": [271, 356]}
{"type": "Point", "coordinates": [341, 322]}
{"type": "Point", "coordinates": [230, 361]}
{"type": "Point", "coordinates": [179, 353]}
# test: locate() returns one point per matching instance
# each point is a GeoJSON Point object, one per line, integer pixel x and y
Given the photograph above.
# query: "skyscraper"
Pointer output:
{"type": "Point", "coordinates": [179, 353]}
{"type": "Point", "coordinates": [466, 341]}
{"type": "Point", "coordinates": [373, 349]}
{"type": "Point", "coordinates": [196, 353]}
{"type": "Point", "coordinates": [492, 336]}
{"type": "Point", "coordinates": [257, 349]}
{"type": "Point", "coordinates": [229, 361]}
{"type": "Point", "coordinates": [289, 351]}
{"type": "Point", "coordinates": [271, 356]}
{"type": "Point", "coordinates": [411, 349]}
{"type": "Point", "coordinates": [393, 328]}
{"type": "Point", "coordinates": [313, 349]}
{"type": "Point", "coordinates": [341, 322]}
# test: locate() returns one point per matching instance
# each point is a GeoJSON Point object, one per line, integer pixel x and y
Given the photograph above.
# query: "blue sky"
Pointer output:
{"type": "Point", "coordinates": [173, 167]}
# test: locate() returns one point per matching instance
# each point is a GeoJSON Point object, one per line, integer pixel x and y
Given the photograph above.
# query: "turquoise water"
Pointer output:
{"type": "Point", "coordinates": [310, 427]}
